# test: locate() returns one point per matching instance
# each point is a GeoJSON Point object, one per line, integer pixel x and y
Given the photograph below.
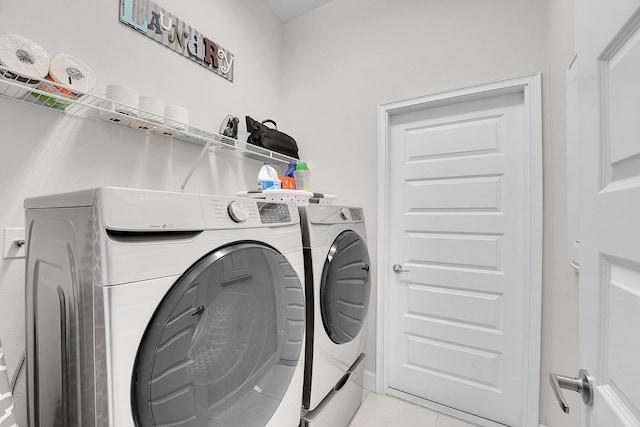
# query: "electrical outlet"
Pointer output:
{"type": "Point", "coordinates": [14, 243]}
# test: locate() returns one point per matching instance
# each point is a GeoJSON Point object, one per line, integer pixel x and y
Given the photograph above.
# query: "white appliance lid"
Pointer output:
{"type": "Point", "coordinates": [63, 200]}
{"type": "Point", "coordinates": [147, 210]}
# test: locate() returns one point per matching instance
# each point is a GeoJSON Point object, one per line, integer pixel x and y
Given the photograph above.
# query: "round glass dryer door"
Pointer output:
{"type": "Point", "coordinates": [223, 345]}
{"type": "Point", "coordinates": [345, 287]}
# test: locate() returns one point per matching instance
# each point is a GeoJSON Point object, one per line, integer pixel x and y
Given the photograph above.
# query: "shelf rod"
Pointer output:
{"type": "Point", "coordinates": [195, 165]}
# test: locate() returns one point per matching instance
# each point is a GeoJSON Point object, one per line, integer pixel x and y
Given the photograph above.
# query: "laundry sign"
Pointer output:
{"type": "Point", "coordinates": [155, 22]}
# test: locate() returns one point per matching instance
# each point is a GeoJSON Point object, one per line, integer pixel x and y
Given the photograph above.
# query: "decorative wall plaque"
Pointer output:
{"type": "Point", "coordinates": [155, 22]}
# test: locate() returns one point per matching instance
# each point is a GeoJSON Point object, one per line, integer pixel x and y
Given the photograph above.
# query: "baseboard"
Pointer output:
{"type": "Point", "coordinates": [444, 409]}
{"type": "Point", "coordinates": [369, 381]}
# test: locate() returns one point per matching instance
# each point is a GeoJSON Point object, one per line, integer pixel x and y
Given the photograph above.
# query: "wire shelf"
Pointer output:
{"type": "Point", "coordinates": [27, 89]}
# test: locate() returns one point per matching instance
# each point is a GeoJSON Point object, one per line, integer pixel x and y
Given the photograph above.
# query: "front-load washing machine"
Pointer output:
{"type": "Point", "coordinates": [338, 285]}
{"type": "Point", "coordinates": [149, 308]}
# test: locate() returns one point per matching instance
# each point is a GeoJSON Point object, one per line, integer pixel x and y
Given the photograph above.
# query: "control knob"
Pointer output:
{"type": "Point", "coordinates": [343, 214]}
{"type": "Point", "coordinates": [237, 212]}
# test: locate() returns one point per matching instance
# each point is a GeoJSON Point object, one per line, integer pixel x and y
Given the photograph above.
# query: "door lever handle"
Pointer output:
{"type": "Point", "coordinates": [397, 268]}
{"type": "Point", "coordinates": [582, 384]}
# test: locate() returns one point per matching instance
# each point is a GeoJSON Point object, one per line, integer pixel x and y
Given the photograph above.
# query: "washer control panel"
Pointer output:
{"type": "Point", "coordinates": [224, 212]}
{"type": "Point", "coordinates": [274, 213]}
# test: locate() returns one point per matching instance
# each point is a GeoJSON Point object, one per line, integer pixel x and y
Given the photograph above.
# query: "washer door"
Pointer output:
{"type": "Point", "coordinates": [223, 345]}
{"type": "Point", "coordinates": [345, 287]}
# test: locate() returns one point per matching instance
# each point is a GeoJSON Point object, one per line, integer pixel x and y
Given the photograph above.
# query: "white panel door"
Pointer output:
{"type": "Point", "coordinates": [608, 44]}
{"type": "Point", "coordinates": [460, 308]}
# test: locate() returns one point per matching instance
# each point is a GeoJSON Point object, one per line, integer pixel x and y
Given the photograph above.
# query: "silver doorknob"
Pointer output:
{"type": "Point", "coordinates": [582, 384]}
{"type": "Point", "coordinates": [398, 268]}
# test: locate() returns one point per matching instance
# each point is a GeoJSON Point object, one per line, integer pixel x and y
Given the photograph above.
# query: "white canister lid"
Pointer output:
{"type": "Point", "coordinates": [72, 72]}
{"type": "Point", "coordinates": [23, 56]}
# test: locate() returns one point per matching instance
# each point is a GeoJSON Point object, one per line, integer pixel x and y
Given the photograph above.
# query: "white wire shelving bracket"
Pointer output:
{"type": "Point", "coordinates": [88, 106]}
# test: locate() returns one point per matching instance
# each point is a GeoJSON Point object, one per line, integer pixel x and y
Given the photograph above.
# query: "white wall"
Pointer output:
{"type": "Point", "coordinates": [560, 284]}
{"type": "Point", "coordinates": [42, 151]}
{"type": "Point", "coordinates": [346, 58]}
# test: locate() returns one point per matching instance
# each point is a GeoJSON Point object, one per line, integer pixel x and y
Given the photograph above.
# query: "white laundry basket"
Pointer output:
{"type": "Point", "coordinates": [7, 419]}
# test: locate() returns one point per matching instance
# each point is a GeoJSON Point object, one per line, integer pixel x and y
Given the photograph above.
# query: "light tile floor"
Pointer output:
{"type": "Point", "coordinates": [386, 411]}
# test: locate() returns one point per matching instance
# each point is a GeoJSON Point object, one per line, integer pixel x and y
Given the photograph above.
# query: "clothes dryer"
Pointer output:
{"type": "Point", "coordinates": [338, 286]}
{"type": "Point", "coordinates": [151, 308]}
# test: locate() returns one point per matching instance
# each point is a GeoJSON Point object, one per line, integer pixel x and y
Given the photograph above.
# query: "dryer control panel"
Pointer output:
{"type": "Point", "coordinates": [332, 214]}
{"type": "Point", "coordinates": [222, 212]}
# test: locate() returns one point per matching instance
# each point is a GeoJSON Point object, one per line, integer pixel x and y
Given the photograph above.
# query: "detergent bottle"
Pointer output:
{"type": "Point", "coordinates": [268, 178]}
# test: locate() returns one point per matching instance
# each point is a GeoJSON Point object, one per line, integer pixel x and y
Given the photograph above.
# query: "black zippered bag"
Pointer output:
{"type": "Point", "coordinates": [271, 138]}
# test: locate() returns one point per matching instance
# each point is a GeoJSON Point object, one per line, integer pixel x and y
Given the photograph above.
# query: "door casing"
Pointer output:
{"type": "Point", "coordinates": [530, 85]}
